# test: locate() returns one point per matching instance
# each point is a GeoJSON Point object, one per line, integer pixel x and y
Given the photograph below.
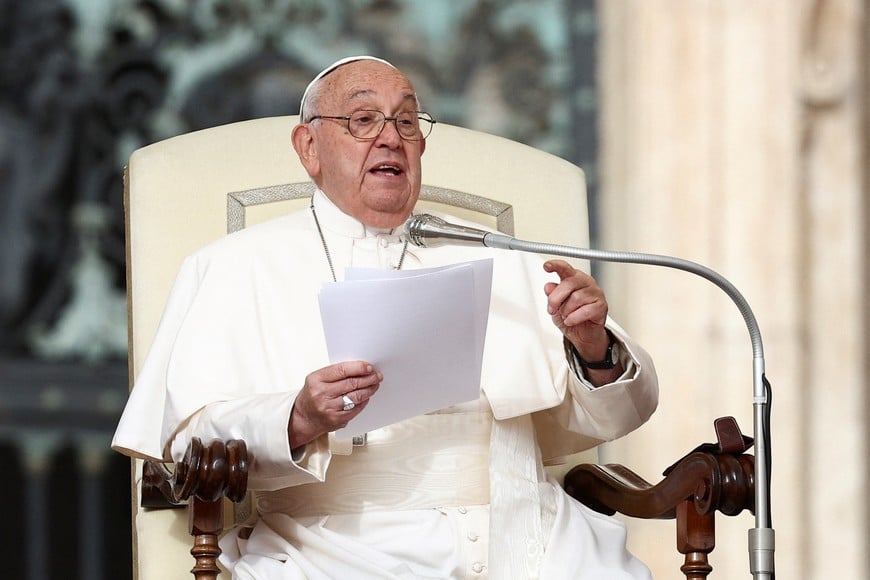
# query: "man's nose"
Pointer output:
{"type": "Point", "coordinates": [389, 136]}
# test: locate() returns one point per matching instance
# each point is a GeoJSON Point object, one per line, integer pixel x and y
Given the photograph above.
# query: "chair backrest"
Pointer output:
{"type": "Point", "coordinates": [184, 192]}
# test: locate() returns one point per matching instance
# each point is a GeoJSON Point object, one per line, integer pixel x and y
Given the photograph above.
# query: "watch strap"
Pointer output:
{"type": "Point", "coordinates": [607, 363]}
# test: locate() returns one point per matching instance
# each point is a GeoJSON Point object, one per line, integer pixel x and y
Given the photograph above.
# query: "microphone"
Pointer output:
{"type": "Point", "coordinates": [427, 231]}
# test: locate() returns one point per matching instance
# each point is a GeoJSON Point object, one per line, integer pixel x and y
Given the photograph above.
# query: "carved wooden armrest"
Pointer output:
{"type": "Point", "coordinates": [713, 477]}
{"type": "Point", "coordinates": [205, 475]}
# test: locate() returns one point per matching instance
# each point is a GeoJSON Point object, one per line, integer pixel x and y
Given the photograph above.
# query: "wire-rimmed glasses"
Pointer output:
{"type": "Point", "coordinates": [368, 124]}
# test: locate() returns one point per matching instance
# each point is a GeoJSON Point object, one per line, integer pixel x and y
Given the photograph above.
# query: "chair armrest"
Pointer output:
{"type": "Point", "coordinates": [205, 475]}
{"type": "Point", "coordinates": [713, 477]}
{"type": "Point", "coordinates": [712, 482]}
{"type": "Point", "coordinates": [208, 472]}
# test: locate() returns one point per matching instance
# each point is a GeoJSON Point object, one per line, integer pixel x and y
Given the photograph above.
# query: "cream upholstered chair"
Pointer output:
{"type": "Point", "coordinates": [186, 191]}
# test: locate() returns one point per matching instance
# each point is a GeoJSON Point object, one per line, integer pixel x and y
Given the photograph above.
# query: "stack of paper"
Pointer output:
{"type": "Point", "coordinates": [423, 329]}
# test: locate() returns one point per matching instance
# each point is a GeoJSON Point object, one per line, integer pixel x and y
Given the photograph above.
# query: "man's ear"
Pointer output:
{"type": "Point", "coordinates": [306, 148]}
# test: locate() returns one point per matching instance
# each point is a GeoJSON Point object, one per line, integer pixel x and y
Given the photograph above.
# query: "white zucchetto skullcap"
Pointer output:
{"type": "Point", "coordinates": [331, 68]}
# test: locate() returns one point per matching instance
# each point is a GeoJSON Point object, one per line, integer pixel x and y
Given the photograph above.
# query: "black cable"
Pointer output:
{"type": "Point", "coordinates": [768, 393]}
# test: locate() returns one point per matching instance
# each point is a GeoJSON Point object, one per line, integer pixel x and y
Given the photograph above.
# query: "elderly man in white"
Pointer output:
{"type": "Point", "coordinates": [456, 493]}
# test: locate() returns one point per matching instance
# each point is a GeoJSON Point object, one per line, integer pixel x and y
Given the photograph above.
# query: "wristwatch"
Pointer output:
{"type": "Point", "coordinates": [611, 357]}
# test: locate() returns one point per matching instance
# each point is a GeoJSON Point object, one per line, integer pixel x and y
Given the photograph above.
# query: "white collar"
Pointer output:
{"type": "Point", "coordinates": [338, 222]}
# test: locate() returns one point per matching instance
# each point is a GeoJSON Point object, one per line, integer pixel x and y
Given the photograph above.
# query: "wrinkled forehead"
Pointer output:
{"type": "Point", "coordinates": [364, 82]}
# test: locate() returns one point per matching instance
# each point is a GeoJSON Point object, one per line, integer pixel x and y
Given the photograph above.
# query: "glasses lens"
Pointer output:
{"type": "Point", "coordinates": [424, 124]}
{"type": "Point", "coordinates": [408, 126]}
{"type": "Point", "coordinates": [366, 124]}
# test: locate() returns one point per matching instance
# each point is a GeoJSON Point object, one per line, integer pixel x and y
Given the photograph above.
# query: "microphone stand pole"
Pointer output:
{"type": "Point", "coordinates": [761, 537]}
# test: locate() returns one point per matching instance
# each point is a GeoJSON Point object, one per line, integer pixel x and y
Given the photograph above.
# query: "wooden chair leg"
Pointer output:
{"type": "Point", "coordinates": [696, 538]}
{"type": "Point", "coordinates": [206, 523]}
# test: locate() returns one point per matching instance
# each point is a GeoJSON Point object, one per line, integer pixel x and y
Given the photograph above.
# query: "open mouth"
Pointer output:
{"type": "Point", "coordinates": [386, 169]}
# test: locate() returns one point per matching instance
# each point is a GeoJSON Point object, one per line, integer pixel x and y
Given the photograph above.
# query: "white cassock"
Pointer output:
{"type": "Point", "coordinates": [459, 493]}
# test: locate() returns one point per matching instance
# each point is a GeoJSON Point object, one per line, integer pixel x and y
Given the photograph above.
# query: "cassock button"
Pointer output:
{"type": "Point", "coordinates": [461, 509]}
{"type": "Point", "coordinates": [477, 567]}
{"type": "Point", "coordinates": [472, 536]}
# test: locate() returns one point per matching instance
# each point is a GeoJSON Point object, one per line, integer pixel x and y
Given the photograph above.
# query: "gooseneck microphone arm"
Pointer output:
{"type": "Point", "coordinates": [428, 231]}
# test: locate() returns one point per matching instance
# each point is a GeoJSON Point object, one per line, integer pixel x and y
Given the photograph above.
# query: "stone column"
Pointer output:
{"type": "Point", "coordinates": [734, 134]}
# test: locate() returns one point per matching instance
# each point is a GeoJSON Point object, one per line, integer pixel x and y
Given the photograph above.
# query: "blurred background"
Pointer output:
{"type": "Point", "coordinates": [732, 134]}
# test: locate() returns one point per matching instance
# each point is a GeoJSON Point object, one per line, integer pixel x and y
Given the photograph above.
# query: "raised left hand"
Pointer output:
{"type": "Point", "coordinates": [578, 308]}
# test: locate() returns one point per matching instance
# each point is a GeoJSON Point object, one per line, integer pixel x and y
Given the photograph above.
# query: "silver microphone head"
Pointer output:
{"type": "Point", "coordinates": [428, 231]}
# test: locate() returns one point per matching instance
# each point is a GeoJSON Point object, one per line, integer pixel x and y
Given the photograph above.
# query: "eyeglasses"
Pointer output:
{"type": "Point", "coordinates": [367, 125]}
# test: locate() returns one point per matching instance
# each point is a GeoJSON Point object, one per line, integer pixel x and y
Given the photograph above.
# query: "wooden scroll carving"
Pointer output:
{"type": "Point", "coordinates": [713, 477]}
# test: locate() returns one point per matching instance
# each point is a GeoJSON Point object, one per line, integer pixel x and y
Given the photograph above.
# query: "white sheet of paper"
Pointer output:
{"type": "Point", "coordinates": [423, 329]}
